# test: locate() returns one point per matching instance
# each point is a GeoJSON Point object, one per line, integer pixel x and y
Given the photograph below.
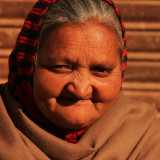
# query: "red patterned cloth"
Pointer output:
{"type": "Point", "coordinates": [73, 136]}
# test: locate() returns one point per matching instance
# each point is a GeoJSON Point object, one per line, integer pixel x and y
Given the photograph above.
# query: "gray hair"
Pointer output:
{"type": "Point", "coordinates": [78, 11]}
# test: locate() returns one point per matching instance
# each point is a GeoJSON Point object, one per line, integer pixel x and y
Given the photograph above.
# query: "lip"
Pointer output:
{"type": "Point", "coordinates": [70, 101]}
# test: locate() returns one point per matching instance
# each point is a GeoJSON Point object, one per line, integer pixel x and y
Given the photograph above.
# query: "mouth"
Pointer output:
{"type": "Point", "coordinates": [64, 101]}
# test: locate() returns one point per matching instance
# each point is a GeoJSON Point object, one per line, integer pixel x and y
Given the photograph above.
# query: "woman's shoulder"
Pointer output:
{"type": "Point", "coordinates": [151, 142]}
{"type": "Point", "coordinates": [148, 146]}
{"type": "Point", "coordinates": [128, 105]}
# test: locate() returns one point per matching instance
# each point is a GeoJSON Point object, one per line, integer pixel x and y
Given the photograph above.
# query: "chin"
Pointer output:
{"type": "Point", "coordinates": [76, 121]}
{"type": "Point", "coordinates": [76, 126]}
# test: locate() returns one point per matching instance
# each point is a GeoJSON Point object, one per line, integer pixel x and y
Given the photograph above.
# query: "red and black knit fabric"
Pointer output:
{"type": "Point", "coordinates": [22, 58]}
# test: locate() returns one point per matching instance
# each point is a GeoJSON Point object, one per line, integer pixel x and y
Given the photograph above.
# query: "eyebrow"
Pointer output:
{"type": "Point", "coordinates": [102, 65]}
{"type": "Point", "coordinates": [53, 60]}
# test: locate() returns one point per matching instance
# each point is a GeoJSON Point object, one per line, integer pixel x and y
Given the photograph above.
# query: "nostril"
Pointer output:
{"type": "Point", "coordinates": [70, 87]}
{"type": "Point", "coordinates": [79, 90]}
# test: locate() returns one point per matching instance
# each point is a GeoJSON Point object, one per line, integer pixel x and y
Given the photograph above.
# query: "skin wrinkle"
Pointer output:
{"type": "Point", "coordinates": [94, 44]}
{"type": "Point", "coordinates": [84, 79]}
{"type": "Point", "coordinates": [75, 98]}
{"type": "Point", "coordinates": [53, 59]}
{"type": "Point", "coordinates": [93, 37]}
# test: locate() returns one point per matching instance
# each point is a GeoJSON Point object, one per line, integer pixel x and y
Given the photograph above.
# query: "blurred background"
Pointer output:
{"type": "Point", "coordinates": [142, 22]}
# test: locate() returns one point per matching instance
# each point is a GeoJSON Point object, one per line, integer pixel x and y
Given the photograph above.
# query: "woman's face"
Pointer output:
{"type": "Point", "coordinates": [78, 74]}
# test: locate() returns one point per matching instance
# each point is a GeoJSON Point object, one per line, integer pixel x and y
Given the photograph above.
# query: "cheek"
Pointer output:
{"type": "Point", "coordinates": [109, 90]}
{"type": "Point", "coordinates": [47, 84]}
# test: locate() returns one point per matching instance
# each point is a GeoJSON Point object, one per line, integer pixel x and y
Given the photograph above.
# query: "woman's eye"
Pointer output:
{"type": "Point", "coordinates": [61, 68]}
{"type": "Point", "coordinates": [101, 72]}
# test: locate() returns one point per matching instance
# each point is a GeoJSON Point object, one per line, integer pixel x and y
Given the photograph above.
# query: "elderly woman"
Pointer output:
{"type": "Point", "coordinates": [64, 99]}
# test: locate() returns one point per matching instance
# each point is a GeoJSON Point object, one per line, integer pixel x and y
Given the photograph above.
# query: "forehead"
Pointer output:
{"type": "Point", "coordinates": [90, 32]}
{"type": "Point", "coordinates": [85, 39]}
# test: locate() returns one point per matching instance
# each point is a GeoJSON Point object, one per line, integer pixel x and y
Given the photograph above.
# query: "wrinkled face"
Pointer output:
{"type": "Point", "coordinates": [78, 74]}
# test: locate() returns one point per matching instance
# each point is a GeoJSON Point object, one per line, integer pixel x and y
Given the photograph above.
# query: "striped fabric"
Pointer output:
{"type": "Point", "coordinates": [22, 58]}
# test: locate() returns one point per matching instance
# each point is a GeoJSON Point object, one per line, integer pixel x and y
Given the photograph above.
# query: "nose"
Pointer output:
{"type": "Point", "coordinates": [80, 87]}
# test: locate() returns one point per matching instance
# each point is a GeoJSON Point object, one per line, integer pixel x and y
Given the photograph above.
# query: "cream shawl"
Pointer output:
{"type": "Point", "coordinates": [129, 130]}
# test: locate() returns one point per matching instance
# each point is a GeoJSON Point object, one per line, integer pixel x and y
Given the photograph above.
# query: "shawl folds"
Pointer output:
{"type": "Point", "coordinates": [128, 130]}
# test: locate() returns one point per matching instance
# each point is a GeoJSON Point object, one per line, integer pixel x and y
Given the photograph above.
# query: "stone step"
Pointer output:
{"type": "Point", "coordinates": [11, 22]}
{"type": "Point", "coordinates": [146, 96]}
{"type": "Point", "coordinates": [131, 10]}
{"type": "Point", "coordinates": [4, 53]}
{"type": "Point", "coordinates": [15, 8]}
{"type": "Point", "coordinates": [148, 92]}
{"type": "Point", "coordinates": [143, 71]}
{"type": "Point", "coordinates": [139, 10]}
{"type": "Point", "coordinates": [142, 26]}
{"type": "Point", "coordinates": [142, 86]}
{"type": "Point", "coordinates": [144, 56]}
{"type": "Point", "coordinates": [141, 41]}
{"type": "Point", "coordinates": [8, 37]}
{"type": "Point", "coordinates": [145, 41]}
